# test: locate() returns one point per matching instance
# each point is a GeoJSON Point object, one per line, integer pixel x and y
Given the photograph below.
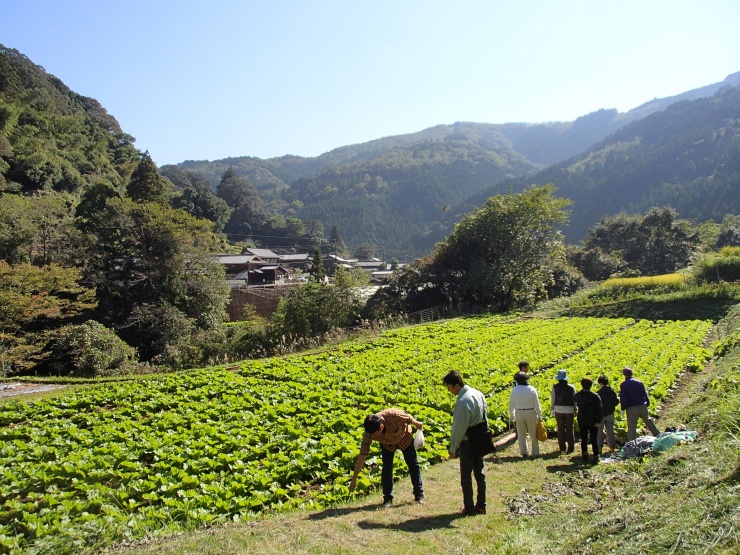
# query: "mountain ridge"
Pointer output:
{"type": "Point", "coordinates": [415, 178]}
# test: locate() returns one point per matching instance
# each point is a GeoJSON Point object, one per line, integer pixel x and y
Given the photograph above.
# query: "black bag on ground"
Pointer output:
{"type": "Point", "coordinates": [481, 439]}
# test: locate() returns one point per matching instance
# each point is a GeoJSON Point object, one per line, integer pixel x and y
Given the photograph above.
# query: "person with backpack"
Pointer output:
{"type": "Point", "coordinates": [564, 408]}
{"type": "Point", "coordinates": [609, 403]}
{"type": "Point", "coordinates": [470, 411]}
{"type": "Point", "coordinates": [590, 414]}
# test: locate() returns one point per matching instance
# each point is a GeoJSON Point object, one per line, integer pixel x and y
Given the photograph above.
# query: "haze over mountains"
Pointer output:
{"type": "Point", "coordinates": [404, 193]}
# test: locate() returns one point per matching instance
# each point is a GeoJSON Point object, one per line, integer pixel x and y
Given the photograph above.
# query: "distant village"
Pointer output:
{"type": "Point", "coordinates": [260, 277]}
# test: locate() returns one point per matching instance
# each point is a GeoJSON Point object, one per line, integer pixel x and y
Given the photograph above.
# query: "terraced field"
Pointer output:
{"type": "Point", "coordinates": [211, 445]}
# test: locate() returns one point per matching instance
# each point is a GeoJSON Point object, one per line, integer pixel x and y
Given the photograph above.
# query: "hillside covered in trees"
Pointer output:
{"type": "Point", "coordinates": [404, 193]}
{"type": "Point", "coordinates": [106, 261]}
{"type": "Point", "coordinates": [686, 157]}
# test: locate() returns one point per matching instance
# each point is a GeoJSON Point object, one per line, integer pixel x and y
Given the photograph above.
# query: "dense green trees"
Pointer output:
{"type": "Point", "coordinates": [247, 217]}
{"type": "Point", "coordinates": [149, 259]}
{"type": "Point", "coordinates": [52, 139]}
{"type": "Point", "coordinates": [500, 256]}
{"type": "Point", "coordinates": [503, 254]}
{"type": "Point", "coordinates": [316, 308]}
{"type": "Point", "coordinates": [337, 243]}
{"type": "Point", "coordinates": [34, 301]}
{"type": "Point", "coordinates": [146, 185]}
{"type": "Point", "coordinates": [203, 204]}
{"type": "Point", "coordinates": [365, 251]}
{"type": "Point", "coordinates": [36, 230]}
{"type": "Point", "coordinates": [317, 270]}
{"type": "Point", "coordinates": [90, 350]}
{"type": "Point", "coordinates": [650, 244]}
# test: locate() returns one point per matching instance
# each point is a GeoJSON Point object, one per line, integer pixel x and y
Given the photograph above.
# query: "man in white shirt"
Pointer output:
{"type": "Point", "coordinates": [524, 409]}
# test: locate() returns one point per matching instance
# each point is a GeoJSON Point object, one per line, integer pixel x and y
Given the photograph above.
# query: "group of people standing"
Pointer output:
{"type": "Point", "coordinates": [594, 412]}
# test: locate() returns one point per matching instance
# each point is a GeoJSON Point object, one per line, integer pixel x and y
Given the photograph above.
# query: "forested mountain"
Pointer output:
{"type": "Point", "coordinates": [95, 258]}
{"type": "Point", "coordinates": [52, 138]}
{"type": "Point", "coordinates": [396, 192]}
{"type": "Point", "coordinates": [686, 157]}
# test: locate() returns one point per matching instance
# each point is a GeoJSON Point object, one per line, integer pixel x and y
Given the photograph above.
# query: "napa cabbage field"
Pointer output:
{"type": "Point", "coordinates": [181, 451]}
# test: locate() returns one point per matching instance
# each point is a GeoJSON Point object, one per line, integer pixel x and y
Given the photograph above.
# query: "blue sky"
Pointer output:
{"type": "Point", "coordinates": [211, 79]}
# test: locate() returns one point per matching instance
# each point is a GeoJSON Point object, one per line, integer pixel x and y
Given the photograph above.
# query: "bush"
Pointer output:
{"type": "Point", "coordinates": [566, 281]}
{"type": "Point", "coordinates": [90, 350]}
{"type": "Point", "coordinates": [718, 268]}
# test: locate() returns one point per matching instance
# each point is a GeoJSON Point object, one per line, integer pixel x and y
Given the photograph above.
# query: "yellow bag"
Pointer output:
{"type": "Point", "coordinates": [541, 431]}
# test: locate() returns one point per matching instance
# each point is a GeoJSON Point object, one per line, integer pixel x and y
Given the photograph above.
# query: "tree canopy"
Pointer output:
{"type": "Point", "coordinates": [500, 256]}
{"type": "Point", "coordinates": [650, 244]}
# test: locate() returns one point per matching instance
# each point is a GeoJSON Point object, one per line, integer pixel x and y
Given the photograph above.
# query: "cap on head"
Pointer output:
{"type": "Point", "coordinates": [561, 375]}
{"type": "Point", "coordinates": [627, 371]}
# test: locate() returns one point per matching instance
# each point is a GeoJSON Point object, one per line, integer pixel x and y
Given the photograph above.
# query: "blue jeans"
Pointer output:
{"type": "Point", "coordinates": [471, 464]}
{"type": "Point", "coordinates": [386, 479]}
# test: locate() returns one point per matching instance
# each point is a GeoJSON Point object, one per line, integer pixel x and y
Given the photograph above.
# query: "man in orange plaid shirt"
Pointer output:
{"type": "Point", "coordinates": [392, 429]}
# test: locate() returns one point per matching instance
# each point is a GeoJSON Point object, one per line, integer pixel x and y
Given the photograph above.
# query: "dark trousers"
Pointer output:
{"type": "Point", "coordinates": [589, 434]}
{"type": "Point", "coordinates": [565, 431]}
{"type": "Point", "coordinates": [386, 479]}
{"type": "Point", "coordinates": [472, 465]}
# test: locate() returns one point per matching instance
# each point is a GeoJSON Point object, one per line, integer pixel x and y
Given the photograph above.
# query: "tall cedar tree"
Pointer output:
{"type": "Point", "coordinates": [146, 184]}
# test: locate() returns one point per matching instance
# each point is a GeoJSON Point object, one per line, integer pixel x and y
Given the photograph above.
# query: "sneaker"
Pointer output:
{"type": "Point", "coordinates": [420, 499]}
{"type": "Point", "coordinates": [387, 503]}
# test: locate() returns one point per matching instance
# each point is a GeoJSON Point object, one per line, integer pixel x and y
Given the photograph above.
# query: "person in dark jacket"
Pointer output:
{"type": "Point", "coordinates": [609, 402]}
{"type": "Point", "coordinates": [564, 408]}
{"type": "Point", "coordinates": [634, 400]}
{"type": "Point", "coordinates": [590, 414]}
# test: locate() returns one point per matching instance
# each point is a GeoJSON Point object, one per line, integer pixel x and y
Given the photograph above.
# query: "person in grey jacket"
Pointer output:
{"type": "Point", "coordinates": [470, 409]}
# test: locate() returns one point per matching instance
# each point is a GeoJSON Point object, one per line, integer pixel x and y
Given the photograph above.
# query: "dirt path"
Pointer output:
{"type": "Point", "coordinates": [15, 389]}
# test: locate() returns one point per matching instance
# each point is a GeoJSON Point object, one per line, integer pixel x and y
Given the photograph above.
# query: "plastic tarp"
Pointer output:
{"type": "Point", "coordinates": [667, 440]}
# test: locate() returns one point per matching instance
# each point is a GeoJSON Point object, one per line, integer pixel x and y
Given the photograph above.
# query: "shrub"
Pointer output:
{"type": "Point", "coordinates": [90, 350]}
{"type": "Point", "coordinates": [718, 268]}
{"type": "Point", "coordinates": [565, 281]}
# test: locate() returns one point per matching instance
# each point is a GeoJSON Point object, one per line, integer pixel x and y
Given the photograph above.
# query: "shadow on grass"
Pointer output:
{"type": "Point", "coordinates": [420, 524]}
{"type": "Point", "coordinates": [341, 511]}
{"type": "Point", "coordinates": [570, 464]}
